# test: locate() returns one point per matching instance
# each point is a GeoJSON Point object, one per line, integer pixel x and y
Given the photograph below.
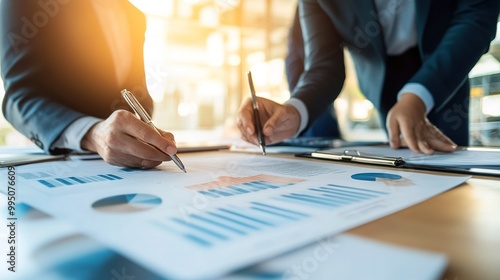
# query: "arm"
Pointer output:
{"type": "Point", "coordinates": [457, 48]}
{"type": "Point", "coordinates": [458, 44]}
{"type": "Point", "coordinates": [324, 72]}
{"type": "Point", "coordinates": [121, 139]}
{"type": "Point", "coordinates": [294, 61]}
{"type": "Point", "coordinates": [25, 104]}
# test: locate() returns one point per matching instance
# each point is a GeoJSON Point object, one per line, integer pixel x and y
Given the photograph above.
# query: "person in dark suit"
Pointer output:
{"type": "Point", "coordinates": [64, 64]}
{"type": "Point", "coordinates": [326, 124]}
{"type": "Point", "coordinates": [412, 59]}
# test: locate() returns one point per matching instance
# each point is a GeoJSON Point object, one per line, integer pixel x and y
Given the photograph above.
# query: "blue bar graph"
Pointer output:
{"type": "Point", "coordinates": [227, 223]}
{"type": "Point", "coordinates": [70, 181]}
{"type": "Point", "coordinates": [331, 196]}
{"type": "Point", "coordinates": [239, 189]}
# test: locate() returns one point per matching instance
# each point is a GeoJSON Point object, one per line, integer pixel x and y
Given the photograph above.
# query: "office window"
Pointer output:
{"type": "Point", "coordinates": [485, 97]}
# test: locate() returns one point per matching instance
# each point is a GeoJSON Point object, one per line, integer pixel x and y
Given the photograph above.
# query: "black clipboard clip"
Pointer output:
{"type": "Point", "coordinates": [356, 156]}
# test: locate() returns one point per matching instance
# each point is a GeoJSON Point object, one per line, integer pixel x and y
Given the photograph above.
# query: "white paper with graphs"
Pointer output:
{"type": "Point", "coordinates": [228, 212]}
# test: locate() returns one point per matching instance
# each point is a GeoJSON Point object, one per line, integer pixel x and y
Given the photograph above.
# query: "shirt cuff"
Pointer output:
{"type": "Point", "coordinates": [422, 92]}
{"type": "Point", "coordinates": [304, 116]}
{"type": "Point", "coordinates": [72, 136]}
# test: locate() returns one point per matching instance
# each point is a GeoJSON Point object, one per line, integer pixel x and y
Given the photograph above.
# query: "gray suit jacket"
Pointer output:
{"type": "Point", "coordinates": [57, 66]}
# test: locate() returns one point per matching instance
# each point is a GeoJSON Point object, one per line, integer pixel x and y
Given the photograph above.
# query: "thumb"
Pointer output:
{"type": "Point", "coordinates": [273, 123]}
{"type": "Point", "coordinates": [283, 120]}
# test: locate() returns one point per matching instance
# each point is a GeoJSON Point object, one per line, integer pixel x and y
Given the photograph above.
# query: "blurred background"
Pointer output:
{"type": "Point", "coordinates": [197, 53]}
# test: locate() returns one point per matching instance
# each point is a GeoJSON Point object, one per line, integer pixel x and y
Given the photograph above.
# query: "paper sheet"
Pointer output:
{"type": "Point", "coordinates": [229, 211]}
{"type": "Point", "coordinates": [348, 257]}
{"type": "Point", "coordinates": [52, 249]}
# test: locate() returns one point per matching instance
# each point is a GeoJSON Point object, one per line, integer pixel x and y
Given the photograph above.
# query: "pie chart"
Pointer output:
{"type": "Point", "coordinates": [374, 176]}
{"type": "Point", "coordinates": [126, 203]}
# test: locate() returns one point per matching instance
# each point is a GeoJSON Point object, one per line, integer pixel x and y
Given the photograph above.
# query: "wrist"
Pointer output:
{"type": "Point", "coordinates": [294, 115]}
{"type": "Point", "coordinates": [413, 101]}
{"type": "Point", "coordinates": [88, 141]}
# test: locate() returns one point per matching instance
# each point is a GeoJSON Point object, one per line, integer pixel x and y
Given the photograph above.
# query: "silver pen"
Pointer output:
{"type": "Point", "coordinates": [139, 110]}
{"type": "Point", "coordinates": [359, 157]}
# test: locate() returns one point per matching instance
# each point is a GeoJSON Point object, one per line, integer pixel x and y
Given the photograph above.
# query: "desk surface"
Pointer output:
{"type": "Point", "coordinates": [463, 223]}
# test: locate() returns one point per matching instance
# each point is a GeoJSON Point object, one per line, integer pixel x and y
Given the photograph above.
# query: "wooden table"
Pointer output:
{"type": "Point", "coordinates": [463, 223]}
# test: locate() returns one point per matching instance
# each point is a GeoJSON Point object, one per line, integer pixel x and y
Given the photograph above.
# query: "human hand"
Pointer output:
{"type": "Point", "coordinates": [279, 121]}
{"type": "Point", "coordinates": [407, 118]}
{"type": "Point", "coordinates": [124, 140]}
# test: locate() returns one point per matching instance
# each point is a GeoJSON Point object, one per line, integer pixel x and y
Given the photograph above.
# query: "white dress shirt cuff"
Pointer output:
{"type": "Point", "coordinates": [72, 136]}
{"type": "Point", "coordinates": [304, 116]}
{"type": "Point", "coordinates": [422, 92]}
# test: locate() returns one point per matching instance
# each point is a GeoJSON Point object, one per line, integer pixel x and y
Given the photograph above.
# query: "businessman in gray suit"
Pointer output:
{"type": "Point", "coordinates": [64, 64]}
{"type": "Point", "coordinates": [412, 59]}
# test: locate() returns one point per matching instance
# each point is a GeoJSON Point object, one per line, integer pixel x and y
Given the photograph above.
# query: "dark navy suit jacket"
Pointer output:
{"type": "Point", "coordinates": [57, 66]}
{"type": "Point", "coordinates": [452, 36]}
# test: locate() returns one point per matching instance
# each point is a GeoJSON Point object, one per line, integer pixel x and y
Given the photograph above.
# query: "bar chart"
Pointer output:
{"type": "Point", "coordinates": [226, 223]}
{"type": "Point", "coordinates": [231, 186]}
{"type": "Point", "coordinates": [69, 181]}
{"type": "Point", "coordinates": [331, 196]}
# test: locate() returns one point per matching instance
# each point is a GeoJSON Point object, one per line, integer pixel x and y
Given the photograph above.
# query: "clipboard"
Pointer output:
{"type": "Point", "coordinates": [354, 156]}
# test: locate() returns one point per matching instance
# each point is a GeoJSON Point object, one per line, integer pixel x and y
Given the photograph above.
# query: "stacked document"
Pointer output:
{"type": "Point", "coordinates": [228, 212]}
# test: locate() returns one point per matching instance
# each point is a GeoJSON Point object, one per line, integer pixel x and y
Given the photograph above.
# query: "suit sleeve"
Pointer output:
{"type": "Point", "coordinates": [27, 104]}
{"type": "Point", "coordinates": [324, 72]}
{"type": "Point", "coordinates": [294, 60]}
{"type": "Point", "coordinates": [465, 39]}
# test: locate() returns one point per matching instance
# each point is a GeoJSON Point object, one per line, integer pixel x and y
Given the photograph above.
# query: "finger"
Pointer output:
{"type": "Point", "coordinates": [127, 160]}
{"type": "Point", "coordinates": [441, 142]}
{"type": "Point", "coordinates": [278, 127]}
{"type": "Point", "coordinates": [424, 146]}
{"type": "Point", "coordinates": [147, 134]}
{"type": "Point", "coordinates": [422, 138]}
{"type": "Point", "coordinates": [120, 143]}
{"type": "Point", "coordinates": [245, 118]}
{"type": "Point", "coordinates": [251, 138]}
{"type": "Point", "coordinates": [408, 132]}
{"type": "Point", "coordinates": [167, 135]}
{"type": "Point", "coordinates": [394, 132]}
{"type": "Point", "coordinates": [286, 118]}
{"type": "Point", "coordinates": [138, 129]}
{"type": "Point", "coordinates": [245, 122]}
{"type": "Point", "coordinates": [172, 148]}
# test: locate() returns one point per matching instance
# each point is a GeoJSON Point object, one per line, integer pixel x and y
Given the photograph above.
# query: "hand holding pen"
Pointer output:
{"type": "Point", "coordinates": [144, 116]}
{"type": "Point", "coordinates": [124, 140]}
{"type": "Point", "coordinates": [278, 121]}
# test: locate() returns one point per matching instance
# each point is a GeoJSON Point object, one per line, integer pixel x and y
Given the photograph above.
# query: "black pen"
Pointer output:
{"type": "Point", "coordinates": [139, 110]}
{"type": "Point", "coordinates": [256, 116]}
